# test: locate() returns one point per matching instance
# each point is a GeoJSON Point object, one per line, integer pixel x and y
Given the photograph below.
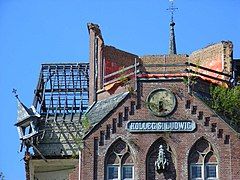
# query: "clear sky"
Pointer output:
{"type": "Point", "coordinates": [44, 31]}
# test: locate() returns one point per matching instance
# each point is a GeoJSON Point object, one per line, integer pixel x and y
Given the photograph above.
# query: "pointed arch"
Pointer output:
{"type": "Point", "coordinates": [202, 160]}
{"type": "Point", "coordinates": [119, 161]}
{"type": "Point", "coordinates": [169, 171]}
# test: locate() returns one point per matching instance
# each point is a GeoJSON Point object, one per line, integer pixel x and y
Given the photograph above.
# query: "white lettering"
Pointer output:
{"type": "Point", "coordinates": [161, 126]}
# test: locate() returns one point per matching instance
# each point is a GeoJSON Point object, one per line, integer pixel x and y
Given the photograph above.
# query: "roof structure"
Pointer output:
{"type": "Point", "coordinates": [61, 98]}
{"type": "Point", "coordinates": [62, 89]}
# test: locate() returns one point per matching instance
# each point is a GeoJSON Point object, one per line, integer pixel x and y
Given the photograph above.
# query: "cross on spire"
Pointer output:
{"type": "Point", "coordinates": [14, 91]}
{"type": "Point", "coordinates": [172, 42]}
{"type": "Point", "coordinates": [172, 9]}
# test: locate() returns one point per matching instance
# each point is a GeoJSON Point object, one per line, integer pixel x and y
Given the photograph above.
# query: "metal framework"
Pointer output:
{"type": "Point", "coordinates": [62, 89]}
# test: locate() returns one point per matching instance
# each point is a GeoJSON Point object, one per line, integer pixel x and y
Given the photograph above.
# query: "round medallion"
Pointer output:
{"type": "Point", "coordinates": [161, 102]}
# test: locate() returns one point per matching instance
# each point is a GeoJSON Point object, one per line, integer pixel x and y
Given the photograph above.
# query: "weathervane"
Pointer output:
{"type": "Point", "coordinates": [172, 9]}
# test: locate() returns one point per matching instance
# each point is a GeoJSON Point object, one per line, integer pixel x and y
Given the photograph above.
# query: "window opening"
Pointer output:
{"type": "Point", "coordinates": [203, 161]}
{"type": "Point", "coordinates": [119, 162]}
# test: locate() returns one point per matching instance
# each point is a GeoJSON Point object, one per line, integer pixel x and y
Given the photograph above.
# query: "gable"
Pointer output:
{"type": "Point", "coordinates": [189, 108]}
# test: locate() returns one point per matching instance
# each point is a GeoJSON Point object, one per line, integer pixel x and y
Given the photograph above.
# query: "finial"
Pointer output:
{"type": "Point", "coordinates": [14, 91]}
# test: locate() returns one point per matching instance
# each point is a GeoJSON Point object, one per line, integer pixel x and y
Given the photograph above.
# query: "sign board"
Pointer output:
{"type": "Point", "coordinates": [161, 126]}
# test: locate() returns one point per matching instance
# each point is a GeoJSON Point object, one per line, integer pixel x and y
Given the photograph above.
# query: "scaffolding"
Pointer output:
{"type": "Point", "coordinates": [62, 89]}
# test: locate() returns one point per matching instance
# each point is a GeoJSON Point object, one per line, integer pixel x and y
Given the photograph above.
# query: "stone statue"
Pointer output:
{"type": "Point", "coordinates": [162, 162]}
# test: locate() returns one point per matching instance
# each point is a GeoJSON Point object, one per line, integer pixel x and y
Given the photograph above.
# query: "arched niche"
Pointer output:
{"type": "Point", "coordinates": [154, 155]}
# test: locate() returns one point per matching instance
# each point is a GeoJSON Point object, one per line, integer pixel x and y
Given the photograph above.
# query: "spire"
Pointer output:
{"type": "Point", "coordinates": [24, 113]}
{"type": "Point", "coordinates": [172, 42]}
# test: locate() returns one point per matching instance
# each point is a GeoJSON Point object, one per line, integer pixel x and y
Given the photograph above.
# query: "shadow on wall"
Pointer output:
{"type": "Point", "coordinates": [62, 137]}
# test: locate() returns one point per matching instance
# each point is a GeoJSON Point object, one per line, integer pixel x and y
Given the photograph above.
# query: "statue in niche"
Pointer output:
{"type": "Point", "coordinates": [161, 163]}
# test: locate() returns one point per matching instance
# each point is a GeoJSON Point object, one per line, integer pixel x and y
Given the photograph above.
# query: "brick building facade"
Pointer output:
{"type": "Point", "coordinates": [128, 138]}
{"type": "Point", "coordinates": [147, 117]}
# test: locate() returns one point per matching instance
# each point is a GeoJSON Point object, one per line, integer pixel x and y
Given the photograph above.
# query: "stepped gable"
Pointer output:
{"type": "Point", "coordinates": [204, 99]}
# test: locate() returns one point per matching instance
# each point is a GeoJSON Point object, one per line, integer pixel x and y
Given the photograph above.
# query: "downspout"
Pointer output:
{"type": "Point", "coordinates": [135, 74]}
{"type": "Point", "coordinates": [79, 164]}
{"type": "Point", "coordinates": [233, 80]}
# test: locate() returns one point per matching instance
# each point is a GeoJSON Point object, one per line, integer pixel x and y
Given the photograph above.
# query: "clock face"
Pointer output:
{"type": "Point", "coordinates": [161, 102]}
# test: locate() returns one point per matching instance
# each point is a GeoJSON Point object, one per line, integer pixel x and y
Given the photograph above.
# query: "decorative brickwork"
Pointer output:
{"type": "Point", "coordinates": [180, 143]}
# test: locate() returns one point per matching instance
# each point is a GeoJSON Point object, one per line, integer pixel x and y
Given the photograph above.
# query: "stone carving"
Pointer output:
{"type": "Point", "coordinates": [162, 162]}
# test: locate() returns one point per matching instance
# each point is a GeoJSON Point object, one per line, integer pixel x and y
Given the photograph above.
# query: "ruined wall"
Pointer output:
{"type": "Point", "coordinates": [164, 59]}
{"type": "Point", "coordinates": [164, 63]}
{"type": "Point", "coordinates": [217, 57]}
{"type": "Point", "coordinates": [96, 44]}
{"type": "Point", "coordinates": [104, 60]}
{"type": "Point", "coordinates": [116, 59]}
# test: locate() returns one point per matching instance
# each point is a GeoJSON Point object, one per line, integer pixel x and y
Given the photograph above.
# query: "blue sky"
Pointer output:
{"type": "Point", "coordinates": [44, 31]}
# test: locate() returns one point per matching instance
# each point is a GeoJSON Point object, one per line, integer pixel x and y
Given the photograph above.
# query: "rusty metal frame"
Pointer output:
{"type": "Point", "coordinates": [62, 89]}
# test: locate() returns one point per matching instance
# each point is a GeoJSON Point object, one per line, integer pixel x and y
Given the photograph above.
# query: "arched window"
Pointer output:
{"type": "Point", "coordinates": [119, 162]}
{"type": "Point", "coordinates": [202, 160]}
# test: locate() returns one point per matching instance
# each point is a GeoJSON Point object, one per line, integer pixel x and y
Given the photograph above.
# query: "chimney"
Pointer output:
{"type": "Point", "coordinates": [96, 75]}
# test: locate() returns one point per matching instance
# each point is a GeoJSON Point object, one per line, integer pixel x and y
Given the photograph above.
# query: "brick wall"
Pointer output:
{"type": "Point", "coordinates": [74, 174]}
{"type": "Point", "coordinates": [109, 60]}
{"type": "Point", "coordinates": [222, 137]}
{"type": "Point", "coordinates": [116, 59]}
{"type": "Point", "coordinates": [227, 149]}
{"type": "Point", "coordinates": [96, 44]}
{"type": "Point", "coordinates": [217, 57]}
{"type": "Point", "coordinates": [164, 59]}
